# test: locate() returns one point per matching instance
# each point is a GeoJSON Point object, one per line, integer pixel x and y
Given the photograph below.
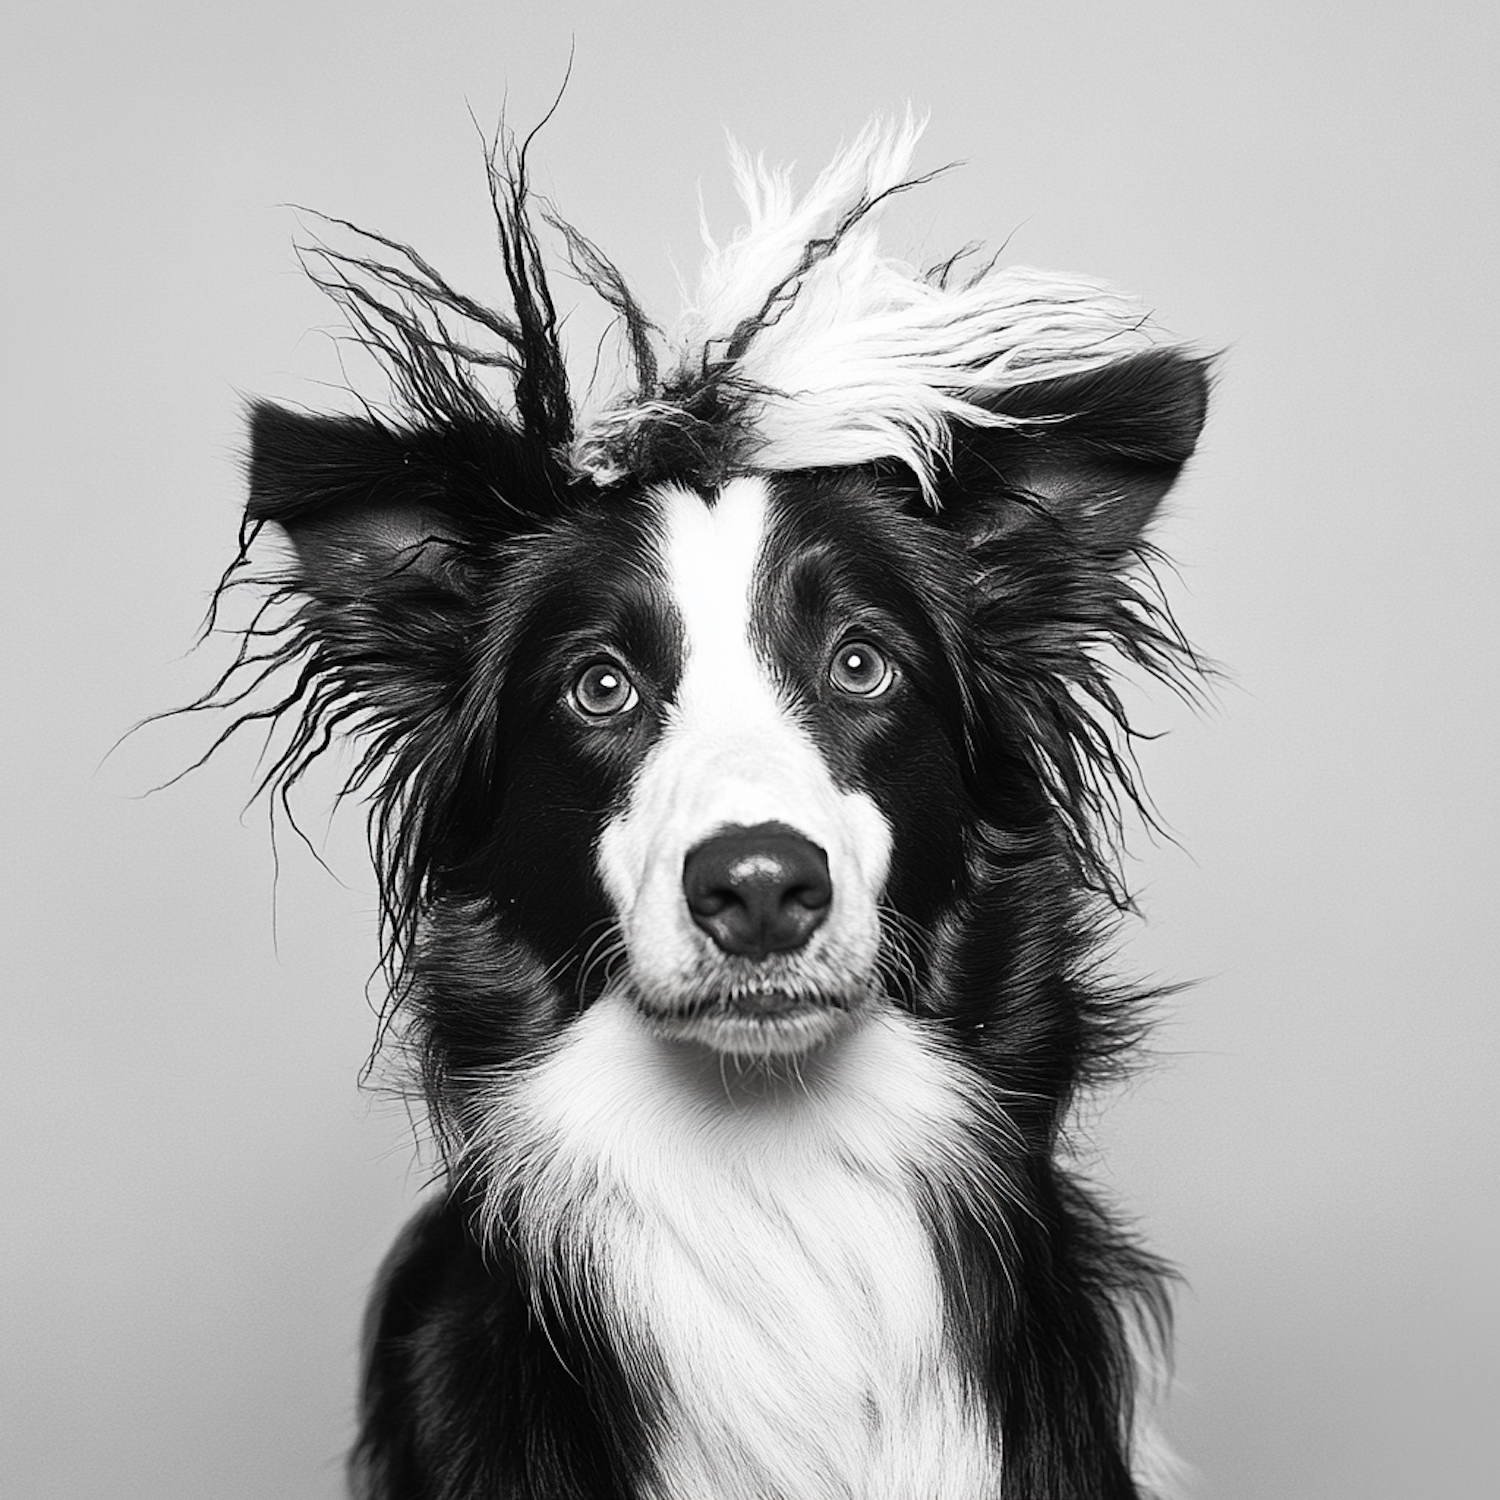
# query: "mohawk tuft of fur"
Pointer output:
{"type": "Point", "coordinates": [807, 347]}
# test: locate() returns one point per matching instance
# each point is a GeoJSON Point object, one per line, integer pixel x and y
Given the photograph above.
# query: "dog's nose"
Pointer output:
{"type": "Point", "coordinates": [757, 890]}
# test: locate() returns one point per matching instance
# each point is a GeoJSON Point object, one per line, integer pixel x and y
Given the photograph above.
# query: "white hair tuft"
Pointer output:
{"type": "Point", "coordinates": [837, 354]}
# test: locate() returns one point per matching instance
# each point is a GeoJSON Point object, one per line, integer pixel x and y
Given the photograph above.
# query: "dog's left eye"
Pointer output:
{"type": "Point", "coordinates": [603, 691]}
{"type": "Point", "coordinates": [861, 670]}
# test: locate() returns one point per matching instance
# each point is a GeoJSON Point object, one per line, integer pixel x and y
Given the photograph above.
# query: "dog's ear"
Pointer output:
{"type": "Point", "coordinates": [370, 510]}
{"type": "Point", "coordinates": [1051, 513]}
{"type": "Point", "coordinates": [391, 530]}
{"type": "Point", "coordinates": [1089, 457]}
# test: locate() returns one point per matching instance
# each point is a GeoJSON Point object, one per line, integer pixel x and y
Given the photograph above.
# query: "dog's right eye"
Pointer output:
{"type": "Point", "coordinates": [861, 671]}
{"type": "Point", "coordinates": [603, 691]}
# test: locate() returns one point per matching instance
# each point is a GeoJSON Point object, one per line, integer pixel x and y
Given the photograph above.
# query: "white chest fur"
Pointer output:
{"type": "Point", "coordinates": [764, 1257]}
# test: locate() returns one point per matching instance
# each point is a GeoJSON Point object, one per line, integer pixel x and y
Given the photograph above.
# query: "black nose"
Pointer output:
{"type": "Point", "coordinates": [757, 890]}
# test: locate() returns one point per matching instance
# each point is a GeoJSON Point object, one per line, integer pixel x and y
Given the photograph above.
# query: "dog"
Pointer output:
{"type": "Point", "coordinates": [745, 774]}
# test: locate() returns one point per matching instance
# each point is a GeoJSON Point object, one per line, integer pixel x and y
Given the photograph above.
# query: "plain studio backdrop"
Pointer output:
{"type": "Point", "coordinates": [197, 1191]}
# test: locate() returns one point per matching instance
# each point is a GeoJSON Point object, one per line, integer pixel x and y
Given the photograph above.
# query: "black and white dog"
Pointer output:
{"type": "Point", "coordinates": [743, 761]}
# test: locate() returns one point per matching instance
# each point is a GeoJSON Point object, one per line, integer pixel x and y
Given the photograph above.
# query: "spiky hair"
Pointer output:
{"type": "Point", "coordinates": [807, 347]}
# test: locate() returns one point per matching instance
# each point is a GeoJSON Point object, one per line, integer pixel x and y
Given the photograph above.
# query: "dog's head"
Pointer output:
{"type": "Point", "coordinates": [728, 700]}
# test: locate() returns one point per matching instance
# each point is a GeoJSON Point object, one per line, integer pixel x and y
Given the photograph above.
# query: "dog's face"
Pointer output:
{"type": "Point", "coordinates": [733, 750]}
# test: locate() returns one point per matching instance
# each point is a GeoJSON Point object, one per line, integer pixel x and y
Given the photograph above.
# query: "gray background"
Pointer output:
{"type": "Point", "coordinates": [196, 1193]}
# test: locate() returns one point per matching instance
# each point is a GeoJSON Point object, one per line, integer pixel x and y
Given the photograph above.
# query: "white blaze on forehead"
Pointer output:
{"type": "Point", "coordinates": [710, 554]}
{"type": "Point", "coordinates": [733, 751]}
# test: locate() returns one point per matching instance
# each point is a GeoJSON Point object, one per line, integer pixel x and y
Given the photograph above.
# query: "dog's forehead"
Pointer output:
{"type": "Point", "coordinates": [758, 574]}
{"type": "Point", "coordinates": [709, 547]}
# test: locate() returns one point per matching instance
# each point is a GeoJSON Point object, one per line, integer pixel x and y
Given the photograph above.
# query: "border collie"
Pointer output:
{"type": "Point", "coordinates": [745, 774]}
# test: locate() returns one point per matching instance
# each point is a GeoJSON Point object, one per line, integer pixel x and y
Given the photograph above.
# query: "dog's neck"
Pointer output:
{"type": "Point", "coordinates": [763, 1250]}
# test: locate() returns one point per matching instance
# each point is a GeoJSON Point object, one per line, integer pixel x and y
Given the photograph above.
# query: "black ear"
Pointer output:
{"type": "Point", "coordinates": [1051, 512]}
{"type": "Point", "coordinates": [369, 509]}
{"type": "Point", "coordinates": [1093, 453]}
{"type": "Point", "coordinates": [392, 532]}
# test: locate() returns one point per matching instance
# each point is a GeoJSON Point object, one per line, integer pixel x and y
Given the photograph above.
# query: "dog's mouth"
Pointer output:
{"type": "Point", "coordinates": [767, 1005]}
{"type": "Point", "coordinates": [765, 1021]}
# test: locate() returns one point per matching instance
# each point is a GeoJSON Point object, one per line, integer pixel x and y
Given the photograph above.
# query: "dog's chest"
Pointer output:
{"type": "Point", "coordinates": [800, 1331]}
{"type": "Point", "coordinates": [767, 1272]}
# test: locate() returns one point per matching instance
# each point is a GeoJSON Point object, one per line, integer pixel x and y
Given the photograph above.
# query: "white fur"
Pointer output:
{"type": "Point", "coordinates": [733, 752]}
{"type": "Point", "coordinates": [866, 358]}
{"type": "Point", "coordinates": [761, 1257]}
{"type": "Point", "coordinates": [1160, 1472]}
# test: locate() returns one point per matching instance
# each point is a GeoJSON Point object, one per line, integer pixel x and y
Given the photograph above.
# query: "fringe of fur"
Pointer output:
{"type": "Point", "coordinates": [820, 350]}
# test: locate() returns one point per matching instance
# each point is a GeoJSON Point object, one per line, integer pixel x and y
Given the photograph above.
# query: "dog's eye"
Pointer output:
{"type": "Point", "coordinates": [603, 691]}
{"type": "Point", "coordinates": [861, 670]}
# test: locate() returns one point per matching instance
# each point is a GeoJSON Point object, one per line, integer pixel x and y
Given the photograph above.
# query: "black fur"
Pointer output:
{"type": "Point", "coordinates": [432, 606]}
